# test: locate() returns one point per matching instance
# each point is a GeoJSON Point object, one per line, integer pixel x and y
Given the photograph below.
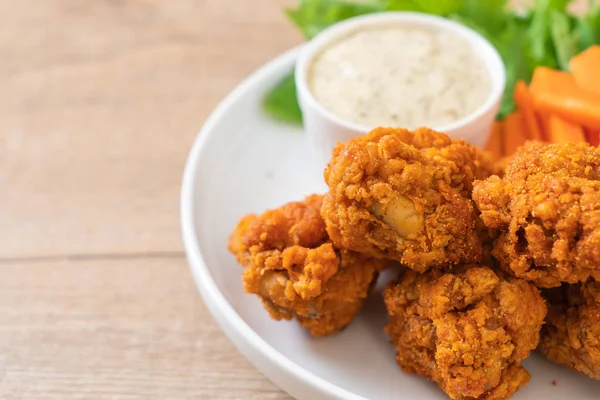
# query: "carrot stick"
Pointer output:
{"type": "Point", "coordinates": [543, 119]}
{"type": "Point", "coordinates": [556, 92]}
{"type": "Point", "coordinates": [562, 131]}
{"type": "Point", "coordinates": [585, 68]}
{"type": "Point", "coordinates": [494, 144]}
{"type": "Point", "coordinates": [514, 132]}
{"type": "Point", "coordinates": [524, 102]}
{"type": "Point", "coordinates": [593, 137]}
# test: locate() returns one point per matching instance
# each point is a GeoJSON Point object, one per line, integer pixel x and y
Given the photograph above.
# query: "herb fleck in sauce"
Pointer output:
{"type": "Point", "coordinates": [400, 76]}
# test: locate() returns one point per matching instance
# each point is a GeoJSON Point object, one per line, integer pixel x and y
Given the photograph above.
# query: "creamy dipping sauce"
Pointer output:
{"type": "Point", "coordinates": [400, 76]}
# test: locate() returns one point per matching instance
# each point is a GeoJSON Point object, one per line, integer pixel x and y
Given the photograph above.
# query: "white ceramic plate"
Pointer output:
{"type": "Point", "coordinates": [244, 162]}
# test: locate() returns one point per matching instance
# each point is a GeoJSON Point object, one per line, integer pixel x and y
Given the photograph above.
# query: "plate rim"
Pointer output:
{"type": "Point", "coordinates": [212, 296]}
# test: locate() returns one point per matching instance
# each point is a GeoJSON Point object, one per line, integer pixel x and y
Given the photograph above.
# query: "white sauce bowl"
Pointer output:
{"type": "Point", "coordinates": [325, 129]}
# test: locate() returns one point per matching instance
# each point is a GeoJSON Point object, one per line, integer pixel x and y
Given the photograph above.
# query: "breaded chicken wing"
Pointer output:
{"type": "Point", "coordinates": [571, 335]}
{"type": "Point", "coordinates": [468, 330]}
{"type": "Point", "coordinates": [405, 196]}
{"type": "Point", "coordinates": [546, 209]}
{"type": "Point", "coordinates": [291, 264]}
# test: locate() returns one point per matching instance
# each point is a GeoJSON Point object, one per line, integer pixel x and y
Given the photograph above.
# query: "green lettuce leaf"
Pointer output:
{"type": "Point", "coordinates": [565, 44]}
{"type": "Point", "coordinates": [438, 7]}
{"type": "Point", "coordinates": [281, 102]}
{"type": "Point", "coordinates": [544, 35]}
{"type": "Point", "coordinates": [589, 27]}
{"type": "Point", "coordinates": [539, 34]}
{"type": "Point", "coordinates": [312, 16]}
{"type": "Point", "coordinates": [512, 45]}
{"type": "Point", "coordinates": [488, 14]}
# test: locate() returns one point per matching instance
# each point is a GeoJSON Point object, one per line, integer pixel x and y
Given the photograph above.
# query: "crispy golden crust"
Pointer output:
{"type": "Point", "coordinates": [296, 223]}
{"type": "Point", "coordinates": [501, 165]}
{"type": "Point", "coordinates": [486, 164]}
{"type": "Point", "coordinates": [297, 272]}
{"type": "Point", "coordinates": [546, 209]}
{"type": "Point", "coordinates": [424, 175]}
{"type": "Point", "coordinates": [467, 330]}
{"type": "Point", "coordinates": [571, 335]}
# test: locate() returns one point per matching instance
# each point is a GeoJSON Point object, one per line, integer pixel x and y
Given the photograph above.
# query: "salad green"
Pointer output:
{"type": "Point", "coordinates": [544, 35]}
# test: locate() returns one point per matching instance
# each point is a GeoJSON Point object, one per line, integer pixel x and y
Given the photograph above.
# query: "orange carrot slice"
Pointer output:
{"type": "Point", "coordinates": [556, 92]}
{"type": "Point", "coordinates": [585, 68]}
{"type": "Point", "coordinates": [562, 131]}
{"type": "Point", "coordinates": [593, 137]}
{"type": "Point", "coordinates": [524, 102]}
{"type": "Point", "coordinates": [543, 119]}
{"type": "Point", "coordinates": [514, 132]}
{"type": "Point", "coordinates": [494, 144]}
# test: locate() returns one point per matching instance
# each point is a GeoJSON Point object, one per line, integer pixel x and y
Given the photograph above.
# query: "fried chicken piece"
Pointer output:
{"type": "Point", "coordinates": [501, 165]}
{"type": "Point", "coordinates": [487, 164]}
{"type": "Point", "coordinates": [405, 196]}
{"type": "Point", "coordinates": [468, 330]}
{"type": "Point", "coordinates": [571, 335]}
{"type": "Point", "coordinates": [546, 210]}
{"type": "Point", "coordinates": [293, 267]}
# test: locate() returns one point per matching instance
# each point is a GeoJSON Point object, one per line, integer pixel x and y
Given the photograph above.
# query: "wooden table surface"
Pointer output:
{"type": "Point", "coordinates": [99, 104]}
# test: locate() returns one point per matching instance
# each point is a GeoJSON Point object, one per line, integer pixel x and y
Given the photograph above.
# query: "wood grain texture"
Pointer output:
{"type": "Point", "coordinates": [100, 103]}
{"type": "Point", "coordinates": [115, 329]}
